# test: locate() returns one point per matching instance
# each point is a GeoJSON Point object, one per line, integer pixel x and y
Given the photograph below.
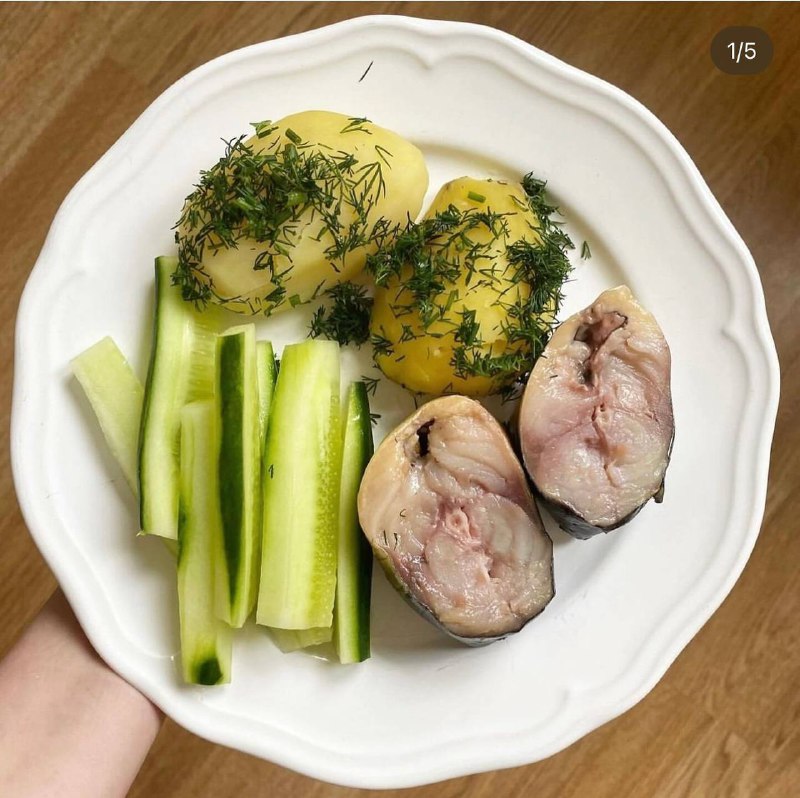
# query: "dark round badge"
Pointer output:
{"type": "Point", "coordinates": [742, 50]}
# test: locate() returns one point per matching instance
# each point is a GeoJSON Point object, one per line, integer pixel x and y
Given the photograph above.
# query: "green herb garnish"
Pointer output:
{"type": "Point", "coordinates": [292, 136]}
{"type": "Point", "coordinates": [381, 345]}
{"type": "Point", "coordinates": [268, 196]}
{"type": "Point", "coordinates": [346, 320]}
{"type": "Point", "coordinates": [370, 384]}
{"type": "Point", "coordinates": [426, 258]}
{"type": "Point", "coordinates": [356, 123]}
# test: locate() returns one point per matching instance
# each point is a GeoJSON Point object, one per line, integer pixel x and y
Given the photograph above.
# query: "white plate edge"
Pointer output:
{"type": "Point", "coordinates": [757, 316]}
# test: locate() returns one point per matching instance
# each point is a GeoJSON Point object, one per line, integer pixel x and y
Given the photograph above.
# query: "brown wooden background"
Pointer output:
{"type": "Point", "coordinates": [726, 718]}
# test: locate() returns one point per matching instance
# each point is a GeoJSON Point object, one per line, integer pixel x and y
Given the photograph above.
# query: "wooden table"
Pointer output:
{"type": "Point", "coordinates": [725, 720]}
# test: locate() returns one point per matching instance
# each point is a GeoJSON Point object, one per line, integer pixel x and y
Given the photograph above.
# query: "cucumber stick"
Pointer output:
{"type": "Point", "coordinates": [354, 568]}
{"type": "Point", "coordinates": [181, 370]}
{"type": "Point", "coordinates": [205, 640]}
{"type": "Point", "coordinates": [240, 496]}
{"type": "Point", "coordinates": [301, 490]}
{"type": "Point", "coordinates": [116, 396]}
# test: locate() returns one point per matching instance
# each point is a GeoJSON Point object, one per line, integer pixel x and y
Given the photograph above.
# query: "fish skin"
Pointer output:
{"type": "Point", "coordinates": [421, 609]}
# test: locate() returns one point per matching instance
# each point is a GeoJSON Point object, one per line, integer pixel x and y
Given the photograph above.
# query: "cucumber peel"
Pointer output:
{"type": "Point", "coordinates": [351, 618]}
{"type": "Point", "coordinates": [205, 640]}
{"type": "Point", "coordinates": [181, 370]}
{"type": "Point", "coordinates": [239, 461]}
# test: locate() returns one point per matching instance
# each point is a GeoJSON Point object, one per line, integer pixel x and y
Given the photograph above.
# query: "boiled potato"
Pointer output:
{"type": "Point", "coordinates": [459, 316]}
{"type": "Point", "coordinates": [295, 210]}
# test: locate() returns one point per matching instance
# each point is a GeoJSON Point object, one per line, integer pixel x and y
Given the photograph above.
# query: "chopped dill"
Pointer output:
{"type": "Point", "coordinates": [383, 154]}
{"type": "Point", "coordinates": [408, 333]}
{"type": "Point", "coordinates": [346, 319]}
{"type": "Point", "coordinates": [268, 193]}
{"type": "Point", "coordinates": [370, 384]}
{"type": "Point", "coordinates": [264, 129]}
{"type": "Point", "coordinates": [364, 73]}
{"type": "Point", "coordinates": [586, 253]}
{"type": "Point", "coordinates": [381, 345]}
{"type": "Point", "coordinates": [292, 136]}
{"type": "Point", "coordinates": [468, 332]}
{"type": "Point", "coordinates": [425, 259]}
{"type": "Point", "coordinates": [356, 123]}
{"type": "Point", "coordinates": [513, 390]}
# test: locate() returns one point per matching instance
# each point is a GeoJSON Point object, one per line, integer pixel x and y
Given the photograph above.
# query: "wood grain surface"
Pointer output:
{"type": "Point", "coordinates": [725, 720]}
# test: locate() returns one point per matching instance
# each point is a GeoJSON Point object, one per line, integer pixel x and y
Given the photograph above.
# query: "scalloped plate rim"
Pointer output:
{"type": "Point", "coordinates": [110, 642]}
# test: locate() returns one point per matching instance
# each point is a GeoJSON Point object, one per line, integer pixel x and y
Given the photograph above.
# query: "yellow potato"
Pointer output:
{"type": "Point", "coordinates": [263, 245]}
{"type": "Point", "coordinates": [469, 344]}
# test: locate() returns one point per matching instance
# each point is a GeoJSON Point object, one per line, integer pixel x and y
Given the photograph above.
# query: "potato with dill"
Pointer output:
{"type": "Point", "coordinates": [295, 209]}
{"type": "Point", "coordinates": [465, 299]}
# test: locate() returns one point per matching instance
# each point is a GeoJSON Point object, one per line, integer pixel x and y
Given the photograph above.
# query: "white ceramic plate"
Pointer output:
{"type": "Point", "coordinates": [476, 101]}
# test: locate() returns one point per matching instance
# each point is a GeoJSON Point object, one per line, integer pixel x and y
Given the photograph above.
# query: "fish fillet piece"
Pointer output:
{"type": "Point", "coordinates": [446, 507]}
{"type": "Point", "coordinates": [596, 422]}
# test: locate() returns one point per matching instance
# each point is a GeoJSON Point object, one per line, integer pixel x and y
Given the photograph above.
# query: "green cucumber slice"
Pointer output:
{"type": "Point", "coordinates": [205, 640]}
{"type": "Point", "coordinates": [301, 490]}
{"type": "Point", "coordinates": [237, 409]}
{"type": "Point", "coordinates": [354, 568]}
{"type": "Point", "coordinates": [116, 397]}
{"type": "Point", "coordinates": [181, 370]}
